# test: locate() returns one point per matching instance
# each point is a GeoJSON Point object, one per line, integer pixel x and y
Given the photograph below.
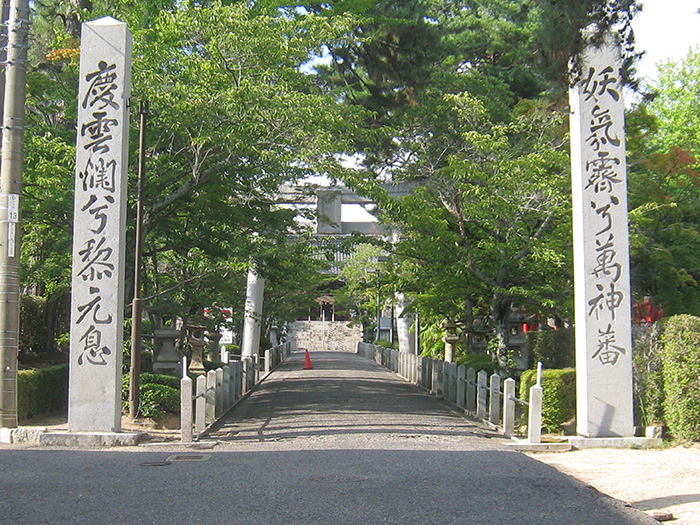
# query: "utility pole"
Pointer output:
{"type": "Point", "coordinates": [10, 191]}
{"type": "Point", "coordinates": [134, 375]}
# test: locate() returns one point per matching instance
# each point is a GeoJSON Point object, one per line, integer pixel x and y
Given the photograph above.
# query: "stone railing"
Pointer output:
{"type": "Point", "coordinates": [477, 393]}
{"type": "Point", "coordinates": [219, 390]}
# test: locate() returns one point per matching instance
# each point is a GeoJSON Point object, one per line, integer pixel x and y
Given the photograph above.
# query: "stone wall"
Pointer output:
{"type": "Point", "coordinates": [331, 336]}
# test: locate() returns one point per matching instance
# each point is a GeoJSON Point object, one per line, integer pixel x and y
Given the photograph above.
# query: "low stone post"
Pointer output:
{"type": "Point", "coordinates": [245, 365]}
{"type": "Point", "coordinates": [509, 406]}
{"type": "Point", "coordinates": [426, 373]}
{"type": "Point", "coordinates": [186, 410]}
{"type": "Point", "coordinates": [256, 371]}
{"type": "Point", "coordinates": [440, 369]}
{"type": "Point", "coordinates": [219, 392]}
{"type": "Point", "coordinates": [268, 358]}
{"type": "Point", "coordinates": [433, 376]}
{"type": "Point", "coordinates": [454, 382]}
{"type": "Point", "coordinates": [447, 380]}
{"type": "Point", "coordinates": [471, 390]}
{"type": "Point", "coordinates": [481, 394]}
{"type": "Point", "coordinates": [200, 420]}
{"type": "Point", "coordinates": [210, 409]}
{"type": "Point", "coordinates": [227, 388]}
{"type": "Point", "coordinates": [461, 385]}
{"type": "Point", "coordinates": [534, 421]}
{"type": "Point", "coordinates": [237, 386]}
{"type": "Point", "coordinates": [495, 399]}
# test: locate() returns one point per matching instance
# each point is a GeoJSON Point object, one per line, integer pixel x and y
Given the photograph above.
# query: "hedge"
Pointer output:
{"type": "Point", "coordinates": [159, 394]}
{"type": "Point", "coordinates": [42, 391]}
{"type": "Point", "coordinates": [558, 395]}
{"type": "Point", "coordinates": [681, 376]}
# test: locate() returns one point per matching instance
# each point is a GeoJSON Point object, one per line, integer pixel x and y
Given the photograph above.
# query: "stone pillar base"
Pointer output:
{"type": "Point", "coordinates": [580, 442]}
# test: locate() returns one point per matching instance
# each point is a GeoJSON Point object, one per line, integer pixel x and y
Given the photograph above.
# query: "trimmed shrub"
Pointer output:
{"type": "Point", "coordinates": [554, 348]}
{"type": "Point", "coordinates": [157, 400]}
{"type": "Point", "coordinates": [558, 395]}
{"type": "Point", "coordinates": [158, 394]}
{"type": "Point", "coordinates": [160, 379]}
{"type": "Point", "coordinates": [681, 370]}
{"type": "Point", "coordinates": [42, 391]}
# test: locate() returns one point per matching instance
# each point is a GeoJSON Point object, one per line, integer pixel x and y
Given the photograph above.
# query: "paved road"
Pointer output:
{"type": "Point", "coordinates": [346, 442]}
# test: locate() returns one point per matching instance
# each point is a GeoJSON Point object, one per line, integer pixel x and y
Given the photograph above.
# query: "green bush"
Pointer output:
{"type": "Point", "coordinates": [42, 391]}
{"type": "Point", "coordinates": [477, 361]}
{"type": "Point", "coordinates": [158, 394]}
{"type": "Point", "coordinates": [160, 379]}
{"type": "Point", "coordinates": [157, 400]}
{"type": "Point", "coordinates": [558, 395]}
{"type": "Point", "coordinates": [554, 348]}
{"type": "Point", "coordinates": [681, 372]}
{"type": "Point", "coordinates": [32, 323]}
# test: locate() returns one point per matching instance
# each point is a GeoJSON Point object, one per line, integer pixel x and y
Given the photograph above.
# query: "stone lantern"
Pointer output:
{"type": "Point", "coordinates": [195, 337]}
{"type": "Point", "coordinates": [167, 337]}
{"type": "Point", "coordinates": [451, 338]}
{"type": "Point", "coordinates": [213, 338]}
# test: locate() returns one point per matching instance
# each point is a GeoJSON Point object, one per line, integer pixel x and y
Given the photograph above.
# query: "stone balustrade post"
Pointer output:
{"type": "Point", "coordinates": [447, 380]}
{"type": "Point", "coordinates": [237, 380]}
{"type": "Point", "coordinates": [471, 390]}
{"type": "Point", "coordinates": [434, 376]}
{"type": "Point", "coordinates": [427, 373]}
{"type": "Point", "coordinates": [495, 399]}
{"type": "Point", "coordinates": [509, 407]}
{"type": "Point", "coordinates": [461, 385]}
{"type": "Point", "coordinates": [245, 365]}
{"type": "Point", "coordinates": [228, 401]}
{"type": "Point", "coordinates": [186, 410]}
{"type": "Point", "coordinates": [210, 409]}
{"type": "Point", "coordinates": [200, 420]}
{"type": "Point", "coordinates": [481, 394]}
{"type": "Point", "coordinates": [219, 393]}
{"type": "Point", "coordinates": [534, 422]}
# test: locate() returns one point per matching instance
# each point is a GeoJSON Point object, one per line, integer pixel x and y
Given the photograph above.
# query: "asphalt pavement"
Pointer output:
{"type": "Point", "coordinates": [346, 442]}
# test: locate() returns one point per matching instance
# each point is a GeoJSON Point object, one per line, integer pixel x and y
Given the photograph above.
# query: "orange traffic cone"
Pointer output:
{"type": "Point", "coordinates": [307, 363]}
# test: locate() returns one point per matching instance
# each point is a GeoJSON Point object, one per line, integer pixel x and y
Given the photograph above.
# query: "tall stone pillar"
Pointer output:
{"type": "Point", "coordinates": [97, 309]}
{"type": "Point", "coordinates": [255, 289]}
{"type": "Point", "coordinates": [601, 248]}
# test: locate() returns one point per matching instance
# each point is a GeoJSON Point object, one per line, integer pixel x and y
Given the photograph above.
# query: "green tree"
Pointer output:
{"type": "Point", "coordinates": [232, 116]}
{"type": "Point", "coordinates": [664, 187]}
{"type": "Point", "coordinates": [491, 229]}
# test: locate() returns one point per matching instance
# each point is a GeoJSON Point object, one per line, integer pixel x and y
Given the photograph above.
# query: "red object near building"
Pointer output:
{"type": "Point", "coordinates": [646, 311]}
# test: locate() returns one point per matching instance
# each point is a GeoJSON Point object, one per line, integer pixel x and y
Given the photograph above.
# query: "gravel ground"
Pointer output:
{"type": "Point", "coordinates": [657, 481]}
